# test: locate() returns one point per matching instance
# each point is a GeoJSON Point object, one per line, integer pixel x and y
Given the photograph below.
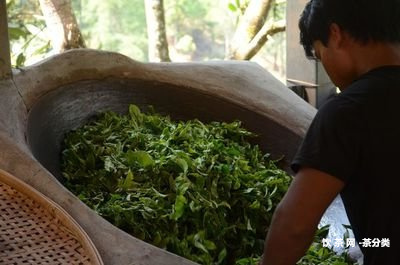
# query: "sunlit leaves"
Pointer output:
{"type": "Point", "coordinates": [198, 190]}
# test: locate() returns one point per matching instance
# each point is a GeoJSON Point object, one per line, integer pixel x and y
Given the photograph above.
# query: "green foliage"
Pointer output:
{"type": "Point", "coordinates": [26, 32]}
{"type": "Point", "coordinates": [191, 9]}
{"type": "Point", "coordinates": [114, 25]}
{"type": "Point", "coordinates": [279, 10]}
{"type": "Point", "coordinates": [198, 190]}
{"type": "Point", "coordinates": [238, 7]}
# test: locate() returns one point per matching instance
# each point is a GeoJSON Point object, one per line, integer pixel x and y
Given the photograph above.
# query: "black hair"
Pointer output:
{"type": "Point", "coordinates": [364, 20]}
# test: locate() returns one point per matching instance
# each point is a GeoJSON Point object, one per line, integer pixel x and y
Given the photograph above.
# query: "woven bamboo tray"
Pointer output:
{"type": "Point", "coordinates": [35, 230]}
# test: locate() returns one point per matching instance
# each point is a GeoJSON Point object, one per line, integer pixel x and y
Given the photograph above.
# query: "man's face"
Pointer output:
{"type": "Point", "coordinates": [332, 63]}
{"type": "Point", "coordinates": [336, 58]}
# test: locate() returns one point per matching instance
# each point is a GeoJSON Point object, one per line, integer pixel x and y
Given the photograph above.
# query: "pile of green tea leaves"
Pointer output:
{"type": "Point", "coordinates": [199, 190]}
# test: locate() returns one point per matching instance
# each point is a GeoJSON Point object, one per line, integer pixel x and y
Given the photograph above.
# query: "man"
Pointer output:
{"type": "Point", "coordinates": [352, 147]}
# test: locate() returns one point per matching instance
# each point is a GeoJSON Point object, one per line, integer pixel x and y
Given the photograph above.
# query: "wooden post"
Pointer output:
{"type": "Point", "coordinates": [5, 60]}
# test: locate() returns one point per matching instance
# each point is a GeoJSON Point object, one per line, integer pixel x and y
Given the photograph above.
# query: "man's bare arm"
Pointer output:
{"type": "Point", "coordinates": [297, 216]}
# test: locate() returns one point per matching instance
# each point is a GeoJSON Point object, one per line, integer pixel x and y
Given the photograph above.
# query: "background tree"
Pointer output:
{"type": "Point", "coordinates": [254, 28]}
{"type": "Point", "coordinates": [157, 37]}
{"type": "Point", "coordinates": [61, 21]}
{"type": "Point", "coordinates": [197, 30]}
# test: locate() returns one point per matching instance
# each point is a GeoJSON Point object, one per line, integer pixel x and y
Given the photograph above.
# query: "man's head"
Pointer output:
{"type": "Point", "coordinates": [363, 20]}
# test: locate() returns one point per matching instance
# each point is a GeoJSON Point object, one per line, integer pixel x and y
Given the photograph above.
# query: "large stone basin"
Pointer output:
{"type": "Point", "coordinates": [71, 105]}
{"type": "Point", "coordinates": [42, 102]}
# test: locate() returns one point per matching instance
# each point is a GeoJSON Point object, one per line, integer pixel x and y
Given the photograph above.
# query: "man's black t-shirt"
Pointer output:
{"type": "Point", "coordinates": [355, 137]}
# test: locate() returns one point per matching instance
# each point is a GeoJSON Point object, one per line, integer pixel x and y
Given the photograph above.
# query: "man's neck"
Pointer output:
{"type": "Point", "coordinates": [375, 54]}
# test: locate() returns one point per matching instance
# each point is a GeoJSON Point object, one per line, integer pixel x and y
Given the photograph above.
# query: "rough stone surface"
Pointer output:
{"type": "Point", "coordinates": [240, 86]}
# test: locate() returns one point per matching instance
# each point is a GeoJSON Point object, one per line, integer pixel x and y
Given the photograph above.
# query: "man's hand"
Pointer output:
{"type": "Point", "coordinates": [297, 216]}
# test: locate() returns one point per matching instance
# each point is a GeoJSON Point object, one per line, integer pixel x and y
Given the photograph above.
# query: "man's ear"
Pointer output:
{"type": "Point", "coordinates": [336, 36]}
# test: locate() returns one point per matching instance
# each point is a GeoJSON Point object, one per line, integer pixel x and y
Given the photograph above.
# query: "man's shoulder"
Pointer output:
{"type": "Point", "coordinates": [374, 82]}
{"type": "Point", "coordinates": [338, 107]}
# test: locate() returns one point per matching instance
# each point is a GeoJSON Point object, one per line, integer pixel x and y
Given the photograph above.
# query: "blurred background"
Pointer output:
{"type": "Point", "coordinates": [152, 30]}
